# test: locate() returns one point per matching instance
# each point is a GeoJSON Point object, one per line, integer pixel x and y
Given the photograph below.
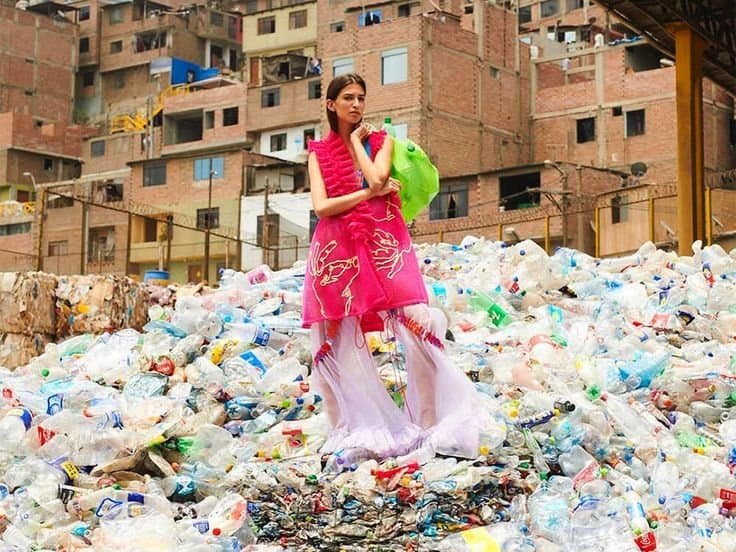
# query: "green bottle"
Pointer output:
{"type": "Point", "coordinates": [388, 127]}
{"type": "Point", "coordinates": [479, 301]}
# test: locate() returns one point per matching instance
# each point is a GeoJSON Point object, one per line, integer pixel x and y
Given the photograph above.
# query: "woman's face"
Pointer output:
{"type": "Point", "coordinates": [350, 104]}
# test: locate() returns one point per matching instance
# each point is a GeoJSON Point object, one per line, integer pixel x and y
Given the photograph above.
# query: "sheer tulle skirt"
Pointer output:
{"type": "Point", "coordinates": [441, 410]}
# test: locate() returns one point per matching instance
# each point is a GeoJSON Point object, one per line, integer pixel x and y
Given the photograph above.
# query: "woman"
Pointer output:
{"type": "Point", "coordinates": [362, 275]}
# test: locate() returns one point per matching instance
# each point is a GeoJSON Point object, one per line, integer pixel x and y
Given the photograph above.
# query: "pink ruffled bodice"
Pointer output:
{"type": "Point", "coordinates": [362, 260]}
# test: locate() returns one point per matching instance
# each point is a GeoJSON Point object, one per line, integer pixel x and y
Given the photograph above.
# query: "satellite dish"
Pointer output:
{"type": "Point", "coordinates": [639, 169]}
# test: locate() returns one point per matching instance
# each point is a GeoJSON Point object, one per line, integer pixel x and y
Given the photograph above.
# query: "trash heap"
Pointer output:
{"type": "Point", "coordinates": [609, 387]}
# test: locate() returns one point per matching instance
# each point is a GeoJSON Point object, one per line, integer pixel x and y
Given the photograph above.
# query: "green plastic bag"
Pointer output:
{"type": "Point", "coordinates": [410, 165]}
{"type": "Point", "coordinates": [419, 178]}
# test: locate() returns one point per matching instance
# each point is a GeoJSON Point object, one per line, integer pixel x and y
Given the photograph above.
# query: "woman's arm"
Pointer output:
{"type": "Point", "coordinates": [376, 171]}
{"type": "Point", "coordinates": [329, 206]}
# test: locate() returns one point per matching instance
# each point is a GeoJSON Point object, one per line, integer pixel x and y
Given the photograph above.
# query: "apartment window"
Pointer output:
{"type": "Point", "coordinates": [266, 25]}
{"type": "Point", "coordinates": [549, 8]}
{"type": "Point", "coordinates": [278, 142]}
{"type": "Point", "coordinates": [251, 6]}
{"type": "Point", "coordinates": [298, 19]}
{"type": "Point", "coordinates": [101, 245]}
{"type": "Point", "coordinates": [58, 202]}
{"type": "Point", "coordinates": [514, 191]}
{"type": "Point", "coordinates": [635, 123]}
{"type": "Point", "coordinates": [208, 218]}
{"type": "Point", "coordinates": [97, 148]}
{"type": "Point", "coordinates": [585, 130]}
{"type": "Point", "coordinates": [116, 47]}
{"type": "Point", "coordinates": [372, 17]}
{"type": "Point", "coordinates": [108, 192]}
{"type": "Point", "coordinates": [48, 164]}
{"type": "Point", "coordinates": [337, 27]}
{"type": "Point", "coordinates": [154, 174]}
{"type": "Point", "coordinates": [450, 202]}
{"type": "Point", "coordinates": [58, 248]}
{"type": "Point", "coordinates": [203, 166]}
{"type": "Point", "coordinates": [217, 19]}
{"type": "Point", "coordinates": [83, 13]}
{"type": "Point", "coordinates": [145, 42]}
{"type": "Point", "coordinates": [115, 15]}
{"type": "Point", "coordinates": [315, 89]}
{"type": "Point", "coordinates": [270, 97]}
{"type": "Point", "coordinates": [404, 10]}
{"type": "Point", "coordinates": [230, 116]}
{"type": "Point", "coordinates": [18, 228]}
{"type": "Point", "coordinates": [394, 66]}
{"type": "Point", "coordinates": [619, 210]}
{"type": "Point", "coordinates": [342, 66]}
{"type": "Point", "coordinates": [84, 45]}
{"type": "Point", "coordinates": [308, 135]}
{"type": "Point", "coordinates": [234, 27]}
{"type": "Point", "coordinates": [88, 78]}
{"type": "Point", "coordinates": [209, 119]}
{"type": "Point", "coordinates": [150, 230]}
{"type": "Point", "coordinates": [525, 15]}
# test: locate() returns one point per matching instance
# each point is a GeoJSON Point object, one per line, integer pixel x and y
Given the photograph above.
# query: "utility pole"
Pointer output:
{"type": "Point", "coordinates": [266, 233]}
{"type": "Point", "coordinates": [85, 238]}
{"type": "Point", "coordinates": [580, 244]}
{"type": "Point", "coordinates": [169, 230]}
{"type": "Point", "coordinates": [40, 214]}
{"type": "Point", "coordinates": [564, 199]}
{"type": "Point", "coordinates": [208, 218]}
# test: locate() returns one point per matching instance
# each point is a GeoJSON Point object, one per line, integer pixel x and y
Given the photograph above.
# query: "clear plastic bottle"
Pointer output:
{"type": "Point", "coordinates": [257, 335]}
{"type": "Point", "coordinates": [13, 428]}
{"type": "Point", "coordinates": [228, 516]}
{"type": "Point", "coordinates": [347, 459]}
{"type": "Point", "coordinates": [549, 513]}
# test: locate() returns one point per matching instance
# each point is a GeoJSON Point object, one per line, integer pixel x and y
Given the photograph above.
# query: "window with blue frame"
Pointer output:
{"type": "Point", "coordinates": [203, 166]}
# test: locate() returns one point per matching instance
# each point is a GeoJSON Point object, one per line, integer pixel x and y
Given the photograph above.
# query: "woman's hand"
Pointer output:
{"type": "Point", "coordinates": [361, 132]}
{"type": "Point", "coordinates": [391, 185]}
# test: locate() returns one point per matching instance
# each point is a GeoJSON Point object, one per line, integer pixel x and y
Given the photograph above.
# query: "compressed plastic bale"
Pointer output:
{"type": "Point", "coordinates": [97, 304]}
{"type": "Point", "coordinates": [27, 303]}
{"type": "Point", "coordinates": [18, 349]}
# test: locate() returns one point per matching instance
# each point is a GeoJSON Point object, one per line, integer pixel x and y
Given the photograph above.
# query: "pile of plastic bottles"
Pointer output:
{"type": "Point", "coordinates": [611, 385]}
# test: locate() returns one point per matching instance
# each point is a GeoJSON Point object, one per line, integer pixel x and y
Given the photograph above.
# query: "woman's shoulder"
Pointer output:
{"type": "Point", "coordinates": [376, 139]}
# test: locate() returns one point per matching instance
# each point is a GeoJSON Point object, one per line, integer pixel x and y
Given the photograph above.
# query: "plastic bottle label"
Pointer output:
{"type": "Point", "coordinates": [24, 414]}
{"type": "Point", "coordinates": [70, 470]}
{"type": "Point", "coordinates": [201, 525]}
{"type": "Point", "coordinates": [478, 540]}
{"type": "Point", "coordinates": [253, 360]}
{"type": "Point", "coordinates": [646, 542]}
{"type": "Point", "coordinates": [54, 404]}
{"type": "Point", "coordinates": [262, 336]}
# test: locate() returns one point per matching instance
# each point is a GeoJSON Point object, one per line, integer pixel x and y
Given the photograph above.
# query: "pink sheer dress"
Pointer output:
{"type": "Point", "coordinates": [362, 275]}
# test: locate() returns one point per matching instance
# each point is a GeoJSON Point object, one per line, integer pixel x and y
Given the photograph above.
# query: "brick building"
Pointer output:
{"type": "Point", "coordinates": [602, 119]}
{"type": "Point", "coordinates": [553, 122]}
{"type": "Point", "coordinates": [36, 102]}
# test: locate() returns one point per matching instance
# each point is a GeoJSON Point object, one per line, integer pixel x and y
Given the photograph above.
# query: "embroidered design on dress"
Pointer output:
{"type": "Point", "coordinates": [389, 211]}
{"type": "Point", "coordinates": [386, 254]}
{"type": "Point", "coordinates": [327, 273]}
